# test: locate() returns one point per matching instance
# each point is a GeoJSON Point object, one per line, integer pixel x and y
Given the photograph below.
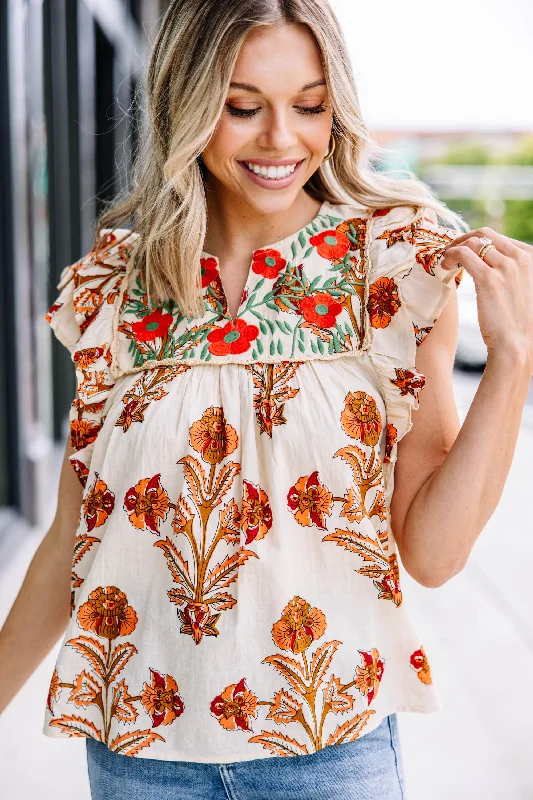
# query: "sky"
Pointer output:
{"type": "Point", "coordinates": [452, 65]}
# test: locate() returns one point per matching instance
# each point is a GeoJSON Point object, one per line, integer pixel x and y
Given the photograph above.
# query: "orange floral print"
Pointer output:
{"type": "Point", "coordinates": [310, 501]}
{"type": "Point", "coordinates": [147, 504]}
{"type": "Point", "coordinates": [235, 707]}
{"type": "Point", "coordinates": [391, 439]}
{"type": "Point", "coordinates": [161, 699]}
{"type": "Point", "coordinates": [360, 418]}
{"type": "Point", "coordinates": [272, 384]}
{"type": "Point", "coordinates": [420, 663]}
{"type": "Point", "coordinates": [83, 432]}
{"type": "Point", "coordinates": [233, 337]}
{"type": "Point", "coordinates": [53, 690]}
{"type": "Point", "coordinates": [98, 504]}
{"type": "Point", "coordinates": [383, 302]}
{"type": "Point", "coordinates": [213, 437]}
{"type": "Point", "coordinates": [107, 613]}
{"type": "Point", "coordinates": [408, 382]}
{"type": "Point", "coordinates": [368, 677]}
{"type": "Point", "coordinates": [299, 626]}
{"type": "Point", "coordinates": [256, 514]}
{"type": "Point", "coordinates": [312, 695]}
{"type": "Point", "coordinates": [146, 390]}
{"type": "Point", "coordinates": [268, 263]}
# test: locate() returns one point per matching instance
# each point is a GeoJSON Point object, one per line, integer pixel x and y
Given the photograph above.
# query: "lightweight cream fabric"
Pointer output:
{"type": "Point", "coordinates": [236, 591]}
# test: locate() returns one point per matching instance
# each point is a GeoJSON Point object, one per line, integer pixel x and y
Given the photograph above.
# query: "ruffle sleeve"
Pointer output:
{"type": "Point", "coordinates": [408, 289]}
{"type": "Point", "coordinates": [82, 318]}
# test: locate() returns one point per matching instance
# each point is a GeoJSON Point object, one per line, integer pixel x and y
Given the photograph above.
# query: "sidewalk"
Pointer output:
{"type": "Point", "coordinates": [478, 636]}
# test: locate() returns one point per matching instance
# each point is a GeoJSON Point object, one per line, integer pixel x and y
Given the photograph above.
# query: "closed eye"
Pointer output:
{"type": "Point", "coordinates": [251, 112]}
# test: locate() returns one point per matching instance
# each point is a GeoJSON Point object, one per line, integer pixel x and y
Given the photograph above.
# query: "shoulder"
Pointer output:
{"type": "Point", "coordinates": [88, 288]}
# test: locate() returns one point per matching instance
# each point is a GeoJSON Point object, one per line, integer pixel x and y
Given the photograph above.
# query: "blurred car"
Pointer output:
{"type": "Point", "coordinates": [471, 353]}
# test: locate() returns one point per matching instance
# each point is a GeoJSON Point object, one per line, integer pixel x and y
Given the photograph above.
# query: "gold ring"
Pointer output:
{"type": "Point", "coordinates": [484, 250]}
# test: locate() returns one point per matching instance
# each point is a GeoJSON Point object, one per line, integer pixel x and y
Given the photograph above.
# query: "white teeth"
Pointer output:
{"type": "Point", "coordinates": [271, 173]}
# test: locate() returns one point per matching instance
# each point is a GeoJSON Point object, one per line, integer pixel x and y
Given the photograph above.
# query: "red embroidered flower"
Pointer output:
{"type": "Point", "coordinates": [234, 707]}
{"type": "Point", "coordinates": [209, 270]}
{"type": "Point", "coordinates": [320, 309]}
{"type": "Point", "coordinates": [152, 326]}
{"type": "Point", "coordinates": [161, 699]}
{"type": "Point", "coordinates": [331, 244]}
{"type": "Point", "coordinates": [234, 337]}
{"type": "Point", "coordinates": [256, 512]}
{"type": "Point", "coordinates": [268, 263]}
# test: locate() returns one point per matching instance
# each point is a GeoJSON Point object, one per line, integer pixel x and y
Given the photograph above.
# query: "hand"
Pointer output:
{"type": "Point", "coordinates": [504, 289]}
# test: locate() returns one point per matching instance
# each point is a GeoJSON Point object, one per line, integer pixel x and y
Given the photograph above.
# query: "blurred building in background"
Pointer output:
{"type": "Point", "coordinates": [68, 73]}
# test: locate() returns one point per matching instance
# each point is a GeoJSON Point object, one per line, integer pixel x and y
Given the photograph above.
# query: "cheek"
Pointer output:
{"type": "Point", "coordinates": [229, 139]}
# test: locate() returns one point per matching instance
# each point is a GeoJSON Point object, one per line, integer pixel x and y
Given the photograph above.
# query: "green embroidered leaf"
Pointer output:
{"type": "Point", "coordinates": [336, 293]}
{"type": "Point", "coordinates": [313, 346]}
{"type": "Point", "coordinates": [320, 344]}
{"type": "Point", "coordinates": [324, 223]}
{"type": "Point", "coordinates": [254, 353]}
{"type": "Point", "coordinates": [137, 292]}
{"type": "Point", "coordinates": [280, 347]}
{"type": "Point", "coordinates": [272, 348]}
{"type": "Point", "coordinates": [208, 357]}
{"type": "Point", "coordinates": [258, 285]}
{"type": "Point", "coordinates": [271, 324]}
{"type": "Point", "coordinates": [204, 351]}
{"type": "Point", "coordinates": [286, 302]}
{"type": "Point", "coordinates": [257, 314]}
{"type": "Point", "coordinates": [301, 346]}
{"type": "Point", "coordinates": [301, 239]}
{"type": "Point", "coordinates": [262, 325]}
{"type": "Point", "coordinates": [272, 306]}
{"type": "Point", "coordinates": [348, 329]}
{"type": "Point", "coordinates": [280, 326]}
{"type": "Point", "coordinates": [293, 248]}
{"type": "Point", "coordinates": [259, 346]}
{"type": "Point", "coordinates": [350, 289]}
{"type": "Point", "coordinates": [301, 333]}
{"type": "Point", "coordinates": [316, 281]}
{"type": "Point", "coordinates": [308, 251]}
{"type": "Point", "coordinates": [336, 343]}
{"type": "Point", "coordinates": [341, 332]}
{"type": "Point", "coordinates": [330, 347]}
{"type": "Point", "coordinates": [328, 283]}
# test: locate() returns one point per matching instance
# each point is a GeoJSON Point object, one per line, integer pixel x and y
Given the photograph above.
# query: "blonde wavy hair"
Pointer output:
{"type": "Point", "coordinates": [186, 84]}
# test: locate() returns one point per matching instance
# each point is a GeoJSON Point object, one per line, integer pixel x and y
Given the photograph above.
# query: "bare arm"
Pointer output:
{"type": "Point", "coordinates": [40, 613]}
{"type": "Point", "coordinates": [449, 478]}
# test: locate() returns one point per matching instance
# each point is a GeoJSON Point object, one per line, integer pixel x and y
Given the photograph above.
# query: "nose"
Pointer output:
{"type": "Point", "coordinates": [278, 133]}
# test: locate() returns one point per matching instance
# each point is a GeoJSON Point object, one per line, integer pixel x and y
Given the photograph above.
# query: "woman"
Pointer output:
{"type": "Point", "coordinates": [248, 360]}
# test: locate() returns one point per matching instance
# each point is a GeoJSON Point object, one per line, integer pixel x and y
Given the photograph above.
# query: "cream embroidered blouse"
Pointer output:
{"type": "Point", "coordinates": [236, 592]}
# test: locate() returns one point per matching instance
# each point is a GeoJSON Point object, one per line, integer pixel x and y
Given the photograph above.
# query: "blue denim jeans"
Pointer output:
{"type": "Point", "coordinates": [370, 768]}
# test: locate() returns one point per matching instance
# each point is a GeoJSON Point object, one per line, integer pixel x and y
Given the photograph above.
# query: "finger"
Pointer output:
{"type": "Point", "coordinates": [503, 243]}
{"type": "Point", "coordinates": [492, 256]}
{"type": "Point", "coordinates": [464, 256]}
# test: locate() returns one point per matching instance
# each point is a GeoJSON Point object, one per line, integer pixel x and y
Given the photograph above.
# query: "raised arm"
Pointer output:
{"type": "Point", "coordinates": [449, 478]}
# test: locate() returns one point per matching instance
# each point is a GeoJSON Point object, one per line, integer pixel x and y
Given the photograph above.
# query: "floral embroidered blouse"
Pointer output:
{"type": "Point", "coordinates": [236, 591]}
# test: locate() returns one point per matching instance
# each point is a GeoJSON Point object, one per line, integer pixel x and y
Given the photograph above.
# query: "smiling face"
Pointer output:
{"type": "Point", "coordinates": [270, 121]}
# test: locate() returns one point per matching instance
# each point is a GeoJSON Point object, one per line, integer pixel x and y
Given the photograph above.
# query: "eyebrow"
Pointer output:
{"type": "Point", "coordinates": [249, 87]}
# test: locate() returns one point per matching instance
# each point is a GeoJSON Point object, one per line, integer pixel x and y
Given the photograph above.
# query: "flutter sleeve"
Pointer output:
{"type": "Point", "coordinates": [408, 289]}
{"type": "Point", "coordinates": [82, 318]}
